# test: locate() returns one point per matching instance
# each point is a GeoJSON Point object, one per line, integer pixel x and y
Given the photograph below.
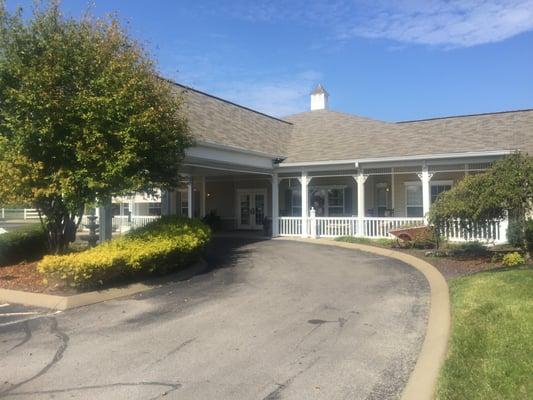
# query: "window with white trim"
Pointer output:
{"type": "Point", "coordinates": [413, 200]}
{"type": "Point", "coordinates": [439, 187]}
{"type": "Point", "coordinates": [154, 208]}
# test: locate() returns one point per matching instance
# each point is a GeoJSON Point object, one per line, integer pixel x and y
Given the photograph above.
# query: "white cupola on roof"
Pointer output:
{"type": "Point", "coordinates": [319, 98]}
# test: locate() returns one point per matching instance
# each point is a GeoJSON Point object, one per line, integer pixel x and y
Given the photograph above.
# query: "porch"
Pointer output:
{"type": "Point", "coordinates": [365, 202]}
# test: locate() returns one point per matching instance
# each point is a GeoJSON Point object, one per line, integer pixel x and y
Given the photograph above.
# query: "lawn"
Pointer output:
{"type": "Point", "coordinates": [490, 353]}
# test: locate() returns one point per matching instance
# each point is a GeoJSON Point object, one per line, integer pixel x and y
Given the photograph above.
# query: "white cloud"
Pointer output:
{"type": "Point", "coordinates": [277, 97]}
{"type": "Point", "coordinates": [448, 23]}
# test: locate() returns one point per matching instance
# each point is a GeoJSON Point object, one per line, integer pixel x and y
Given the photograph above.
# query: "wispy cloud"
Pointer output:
{"type": "Point", "coordinates": [278, 97]}
{"type": "Point", "coordinates": [447, 23]}
{"type": "Point", "coordinates": [276, 93]}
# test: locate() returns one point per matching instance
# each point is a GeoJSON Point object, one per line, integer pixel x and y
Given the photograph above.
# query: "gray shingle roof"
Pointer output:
{"type": "Point", "coordinates": [215, 120]}
{"type": "Point", "coordinates": [324, 135]}
{"type": "Point", "coordinates": [328, 135]}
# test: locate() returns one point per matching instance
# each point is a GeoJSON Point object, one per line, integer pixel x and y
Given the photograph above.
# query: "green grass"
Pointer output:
{"type": "Point", "coordinates": [490, 353]}
{"type": "Point", "coordinates": [361, 240]}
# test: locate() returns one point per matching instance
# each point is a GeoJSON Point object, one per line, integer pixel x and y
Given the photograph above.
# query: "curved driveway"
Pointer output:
{"type": "Point", "coordinates": [270, 320]}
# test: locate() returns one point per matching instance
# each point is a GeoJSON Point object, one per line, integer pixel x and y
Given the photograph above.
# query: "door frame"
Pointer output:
{"type": "Point", "coordinates": [252, 192]}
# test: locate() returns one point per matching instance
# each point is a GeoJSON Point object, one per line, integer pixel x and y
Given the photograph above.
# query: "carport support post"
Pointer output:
{"type": "Point", "coordinates": [202, 196]}
{"type": "Point", "coordinates": [304, 181]}
{"type": "Point", "coordinates": [189, 197]}
{"type": "Point", "coordinates": [275, 204]}
{"type": "Point", "coordinates": [360, 178]}
{"type": "Point", "coordinates": [425, 177]}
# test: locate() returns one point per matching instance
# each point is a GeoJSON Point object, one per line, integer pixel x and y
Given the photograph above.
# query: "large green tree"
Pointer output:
{"type": "Point", "coordinates": [83, 117]}
{"type": "Point", "coordinates": [505, 189]}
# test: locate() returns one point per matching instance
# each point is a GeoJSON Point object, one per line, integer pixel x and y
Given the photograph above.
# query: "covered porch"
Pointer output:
{"type": "Point", "coordinates": [365, 200]}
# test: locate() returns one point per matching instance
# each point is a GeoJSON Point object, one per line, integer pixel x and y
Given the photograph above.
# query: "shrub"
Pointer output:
{"type": "Point", "coordinates": [473, 249]}
{"type": "Point", "coordinates": [513, 259]}
{"type": "Point", "coordinates": [168, 244]}
{"type": "Point", "coordinates": [529, 236]}
{"type": "Point", "coordinates": [515, 234]}
{"type": "Point", "coordinates": [22, 244]}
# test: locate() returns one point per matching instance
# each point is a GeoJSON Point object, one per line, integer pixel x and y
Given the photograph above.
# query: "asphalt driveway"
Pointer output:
{"type": "Point", "coordinates": [270, 320]}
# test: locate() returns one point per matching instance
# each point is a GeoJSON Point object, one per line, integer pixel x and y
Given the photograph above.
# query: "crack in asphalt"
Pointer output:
{"type": "Point", "coordinates": [63, 337]}
{"type": "Point", "coordinates": [172, 387]}
{"type": "Point", "coordinates": [174, 351]}
{"type": "Point", "coordinates": [276, 393]}
{"type": "Point", "coordinates": [27, 336]}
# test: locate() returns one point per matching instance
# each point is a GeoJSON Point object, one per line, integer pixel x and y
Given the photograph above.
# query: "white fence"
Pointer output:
{"type": "Point", "coordinates": [124, 223]}
{"type": "Point", "coordinates": [489, 231]}
{"type": "Point", "coordinates": [377, 228]}
{"type": "Point", "coordinates": [10, 214]}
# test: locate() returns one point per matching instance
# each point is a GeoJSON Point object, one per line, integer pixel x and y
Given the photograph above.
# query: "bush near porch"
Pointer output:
{"type": "Point", "coordinates": [168, 244]}
{"type": "Point", "coordinates": [26, 243]}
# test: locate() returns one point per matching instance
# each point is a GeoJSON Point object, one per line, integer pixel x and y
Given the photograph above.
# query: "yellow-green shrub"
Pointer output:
{"type": "Point", "coordinates": [513, 259]}
{"type": "Point", "coordinates": [167, 244]}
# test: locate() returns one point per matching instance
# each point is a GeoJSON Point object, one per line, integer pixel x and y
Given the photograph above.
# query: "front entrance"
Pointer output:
{"type": "Point", "coordinates": [251, 206]}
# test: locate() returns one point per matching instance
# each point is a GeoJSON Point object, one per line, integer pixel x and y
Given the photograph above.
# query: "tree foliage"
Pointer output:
{"type": "Point", "coordinates": [83, 116]}
{"type": "Point", "coordinates": [505, 189]}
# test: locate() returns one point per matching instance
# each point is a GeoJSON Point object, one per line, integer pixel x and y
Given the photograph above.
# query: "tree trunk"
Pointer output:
{"type": "Point", "coordinates": [59, 223]}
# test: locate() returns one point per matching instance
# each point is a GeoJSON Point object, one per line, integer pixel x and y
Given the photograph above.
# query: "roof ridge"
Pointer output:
{"type": "Point", "coordinates": [465, 115]}
{"type": "Point", "coordinates": [224, 100]}
{"type": "Point", "coordinates": [341, 113]}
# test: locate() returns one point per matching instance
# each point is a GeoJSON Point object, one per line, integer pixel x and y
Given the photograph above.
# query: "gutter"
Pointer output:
{"type": "Point", "coordinates": [400, 158]}
{"type": "Point", "coordinates": [237, 149]}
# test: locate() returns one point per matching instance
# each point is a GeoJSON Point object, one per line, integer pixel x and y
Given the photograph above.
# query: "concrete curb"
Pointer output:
{"type": "Point", "coordinates": [57, 302]}
{"type": "Point", "coordinates": [423, 379]}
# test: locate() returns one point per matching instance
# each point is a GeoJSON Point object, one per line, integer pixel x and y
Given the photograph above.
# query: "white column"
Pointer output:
{"type": "Point", "coordinates": [189, 197]}
{"type": "Point", "coordinates": [360, 179]}
{"type": "Point", "coordinates": [425, 177]}
{"type": "Point", "coordinates": [392, 194]}
{"type": "Point", "coordinates": [312, 221]}
{"type": "Point", "coordinates": [203, 195]}
{"type": "Point", "coordinates": [275, 204]}
{"type": "Point", "coordinates": [304, 181]}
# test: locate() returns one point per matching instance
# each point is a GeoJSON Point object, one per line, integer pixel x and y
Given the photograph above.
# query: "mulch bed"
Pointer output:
{"type": "Point", "coordinates": [452, 267]}
{"type": "Point", "coordinates": [22, 276]}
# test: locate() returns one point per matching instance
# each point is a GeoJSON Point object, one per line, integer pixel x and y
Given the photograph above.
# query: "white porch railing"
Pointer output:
{"type": "Point", "coordinates": [377, 228]}
{"type": "Point", "coordinates": [490, 231]}
{"type": "Point", "coordinates": [334, 226]}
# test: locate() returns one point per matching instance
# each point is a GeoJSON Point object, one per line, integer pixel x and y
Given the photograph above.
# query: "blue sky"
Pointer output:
{"type": "Point", "coordinates": [389, 60]}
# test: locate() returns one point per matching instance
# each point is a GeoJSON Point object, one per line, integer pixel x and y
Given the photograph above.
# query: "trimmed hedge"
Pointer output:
{"type": "Point", "coordinates": [26, 243]}
{"type": "Point", "coordinates": [168, 244]}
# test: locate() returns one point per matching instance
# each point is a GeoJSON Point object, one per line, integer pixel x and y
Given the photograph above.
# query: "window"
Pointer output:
{"type": "Point", "coordinates": [413, 200]}
{"type": "Point", "coordinates": [154, 208]}
{"type": "Point", "coordinates": [335, 202]}
{"type": "Point", "coordinates": [437, 188]}
{"type": "Point", "coordinates": [382, 198]}
{"type": "Point", "coordinates": [183, 203]}
{"type": "Point", "coordinates": [296, 203]}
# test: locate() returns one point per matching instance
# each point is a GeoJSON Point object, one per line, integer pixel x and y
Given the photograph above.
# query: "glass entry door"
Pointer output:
{"type": "Point", "coordinates": [251, 208]}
